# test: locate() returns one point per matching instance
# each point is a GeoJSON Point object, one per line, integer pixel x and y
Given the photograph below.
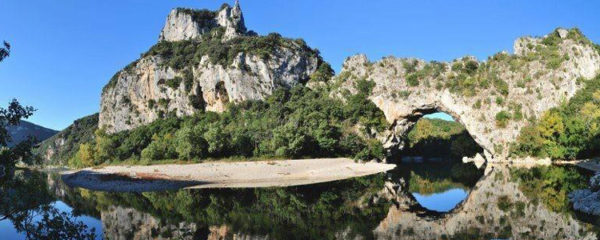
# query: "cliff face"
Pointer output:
{"type": "Point", "coordinates": [492, 99]}
{"type": "Point", "coordinates": [204, 60]}
{"type": "Point", "coordinates": [188, 24]}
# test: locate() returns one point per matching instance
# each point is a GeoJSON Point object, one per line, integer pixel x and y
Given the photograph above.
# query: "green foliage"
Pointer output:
{"type": "Point", "coordinates": [471, 67]}
{"type": "Point", "coordinates": [428, 178]}
{"type": "Point", "coordinates": [201, 16]}
{"type": "Point", "coordinates": [26, 203]}
{"type": "Point", "coordinates": [181, 54]}
{"type": "Point", "coordinates": [11, 116]}
{"type": "Point", "coordinates": [359, 109]}
{"type": "Point", "coordinates": [294, 123]}
{"type": "Point", "coordinates": [501, 85]}
{"type": "Point", "coordinates": [80, 132]}
{"type": "Point", "coordinates": [323, 73]}
{"type": "Point", "coordinates": [197, 101]}
{"type": "Point", "coordinates": [410, 66]}
{"type": "Point", "coordinates": [316, 211]}
{"type": "Point", "coordinates": [151, 103]}
{"type": "Point", "coordinates": [504, 203]}
{"type": "Point", "coordinates": [413, 79]}
{"type": "Point", "coordinates": [440, 138]}
{"type": "Point", "coordinates": [569, 131]}
{"type": "Point", "coordinates": [502, 119]}
{"type": "Point", "coordinates": [551, 184]}
{"type": "Point", "coordinates": [174, 82]}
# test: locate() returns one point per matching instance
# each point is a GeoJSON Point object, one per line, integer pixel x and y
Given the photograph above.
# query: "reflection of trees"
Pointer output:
{"type": "Point", "coordinates": [429, 178]}
{"type": "Point", "coordinates": [496, 208]}
{"type": "Point", "coordinates": [305, 212]}
{"type": "Point", "coordinates": [26, 202]}
{"type": "Point", "coordinates": [47, 222]}
{"type": "Point", "coordinates": [551, 184]}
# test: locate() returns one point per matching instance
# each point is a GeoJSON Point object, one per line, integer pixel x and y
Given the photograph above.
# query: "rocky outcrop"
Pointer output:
{"type": "Point", "coordinates": [587, 200]}
{"type": "Point", "coordinates": [163, 83]}
{"type": "Point", "coordinates": [188, 24]}
{"type": "Point", "coordinates": [128, 223]}
{"type": "Point", "coordinates": [493, 99]}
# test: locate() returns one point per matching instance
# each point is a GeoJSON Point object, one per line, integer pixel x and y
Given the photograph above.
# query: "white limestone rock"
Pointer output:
{"type": "Point", "coordinates": [138, 95]}
{"type": "Point", "coordinates": [531, 85]}
{"type": "Point", "coordinates": [188, 24]}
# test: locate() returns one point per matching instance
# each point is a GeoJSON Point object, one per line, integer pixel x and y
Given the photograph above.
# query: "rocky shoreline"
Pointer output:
{"type": "Point", "coordinates": [587, 200]}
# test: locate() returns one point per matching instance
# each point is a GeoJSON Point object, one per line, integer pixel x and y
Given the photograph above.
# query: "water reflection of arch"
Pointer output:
{"type": "Point", "coordinates": [480, 216]}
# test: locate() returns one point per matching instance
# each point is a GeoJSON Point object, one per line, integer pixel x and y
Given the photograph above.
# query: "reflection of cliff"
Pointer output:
{"type": "Point", "coordinates": [495, 208]}
{"type": "Point", "coordinates": [128, 223]}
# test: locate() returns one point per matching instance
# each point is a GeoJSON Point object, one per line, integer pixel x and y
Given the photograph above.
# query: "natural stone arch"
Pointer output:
{"type": "Point", "coordinates": [399, 129]}
{"type": "Point", "coordinates": [479, 94]}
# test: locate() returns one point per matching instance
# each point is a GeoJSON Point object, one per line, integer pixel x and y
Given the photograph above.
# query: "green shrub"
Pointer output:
{"type": "Point", "coordinates": [504, 203]}
{"type": "Point", "coordinates": [502, 119]}
{"type": "Point", "coordinates": [174, 82]}
{"type": "Point", "coordinates": [323, 73]}
{"type": "Point", "coordinates": [412, 79]}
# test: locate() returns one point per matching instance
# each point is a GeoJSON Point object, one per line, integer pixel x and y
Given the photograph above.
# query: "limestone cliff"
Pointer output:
{"type": "Point", "coordinates": [493, 99]}
{"type": "Point", "coordinates": [203, 61]}
{"type": "Point", "coordinates": [188, 24]}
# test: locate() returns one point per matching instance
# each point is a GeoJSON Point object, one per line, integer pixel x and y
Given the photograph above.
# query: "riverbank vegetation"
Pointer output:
{"type": "Point", "coordinates": [437, 138]}
{"type": "Point", "coordinates": [295, 123]}
{"type": "Point", "coordinates": [550, 184]}
{"type": "Point", "coordinates": [430, 178]}
{"type": "Point", "coordinates": [569, 131]}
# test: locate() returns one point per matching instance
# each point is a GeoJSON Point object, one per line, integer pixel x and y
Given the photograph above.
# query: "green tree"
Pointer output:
{"type": "Point", "coordinates": [190, 144]}
{"type": "Point", "coordinates": [11, 116]}
{"type": "Point", "coordinates": [105, 148]}
{"type": "Point", "coordinates": [4, 51]}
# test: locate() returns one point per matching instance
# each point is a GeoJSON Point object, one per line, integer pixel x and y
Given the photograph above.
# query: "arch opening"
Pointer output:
{"type": "Point", "coordinates": [432, 161]}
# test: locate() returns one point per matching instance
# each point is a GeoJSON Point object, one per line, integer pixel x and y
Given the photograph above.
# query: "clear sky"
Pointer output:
{"type": "Point", "coordinates": [65, 51]}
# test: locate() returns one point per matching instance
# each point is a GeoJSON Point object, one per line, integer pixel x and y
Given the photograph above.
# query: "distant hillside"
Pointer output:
{"type": "Point", "coordinates": [63, 146]}
{"type": "Point", "coordinates": [25, 129]}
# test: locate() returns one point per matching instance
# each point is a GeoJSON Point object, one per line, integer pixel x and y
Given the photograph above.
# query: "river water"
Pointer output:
{"type": "Point", "coordinates": [441, 200]}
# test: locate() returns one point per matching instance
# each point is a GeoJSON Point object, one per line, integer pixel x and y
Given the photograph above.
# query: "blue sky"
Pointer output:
{"type": "Point", "coordinates": [65, 51]}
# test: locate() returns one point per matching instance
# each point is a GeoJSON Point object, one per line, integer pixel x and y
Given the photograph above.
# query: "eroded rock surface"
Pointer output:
{"type": "Point", "coordinates": [493, 99]}
{"type": "Point", "coordinates": [188, 24]}
{"type": "Point", "coordinates": [163, 82]}
{"type": "Point", "coordinates": [128, 223]}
